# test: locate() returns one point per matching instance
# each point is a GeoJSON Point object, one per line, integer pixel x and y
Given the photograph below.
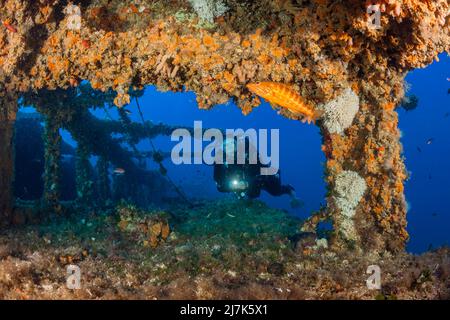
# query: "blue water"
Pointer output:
{"type": "Point", "coordinates": [428, 190]}
{"type": "Point", "coordinates": [301, 159]}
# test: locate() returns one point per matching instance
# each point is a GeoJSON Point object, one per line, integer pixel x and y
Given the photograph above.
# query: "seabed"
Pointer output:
{"type": "Point", "coordinates": [225, 249]}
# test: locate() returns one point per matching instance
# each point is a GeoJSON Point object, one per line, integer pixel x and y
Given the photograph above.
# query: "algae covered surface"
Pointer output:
{"type": "Point", "coordinates": [200, 258]}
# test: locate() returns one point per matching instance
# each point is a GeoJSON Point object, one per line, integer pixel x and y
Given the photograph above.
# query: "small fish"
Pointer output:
{"type": "Point", "coordinates": [418, 149]}
{"type": "Point", "coordinates": [9, 26]}
{"type": "Point", "coordinates": [430, 141]}
{"type": "Point", "coordinates": [128, 112]}
{"type": "Point", "coordinates": [230, 215]}
{"type": "Point", "coordinates": [284, 96]}
{"type": "Point", "coordinates": [434, 214]}
{"type": "Point", "coordinates": [446, 114]}
{"type": "Point", "coordinates": [119, 171]}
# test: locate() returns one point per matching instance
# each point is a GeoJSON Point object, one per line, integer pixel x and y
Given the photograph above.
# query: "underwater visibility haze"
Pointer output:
{"type": "Point", "coordinates": [224, 149]}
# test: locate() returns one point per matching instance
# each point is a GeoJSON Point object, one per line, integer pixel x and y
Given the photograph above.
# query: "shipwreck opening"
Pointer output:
{"type": "Point", "coordinates": [75, 145]}
{"type": "Point", "coordinates": [301, 158]}
{"type": "Point", "coordinates": [319, 53]}
{"type": "Point", "coordinates": [65, 137]}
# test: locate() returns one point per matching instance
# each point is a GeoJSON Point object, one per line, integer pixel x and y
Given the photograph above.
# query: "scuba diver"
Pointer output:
{"type": "Point", "coordinates": [246, 180]}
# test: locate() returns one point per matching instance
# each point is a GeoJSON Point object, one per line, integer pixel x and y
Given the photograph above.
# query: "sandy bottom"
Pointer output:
{"type": "Point", "coordinates": [215, 250]}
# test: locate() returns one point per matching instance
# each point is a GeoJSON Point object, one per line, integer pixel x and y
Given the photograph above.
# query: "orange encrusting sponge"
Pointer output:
{"type": "Point", "coordinates": [284, 96]}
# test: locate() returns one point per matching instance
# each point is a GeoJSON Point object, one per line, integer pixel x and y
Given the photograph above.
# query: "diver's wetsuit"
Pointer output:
{"type": "Point", "coordinates": [271, 184]}
{"type": "Point", "coordinates": [246, 179]}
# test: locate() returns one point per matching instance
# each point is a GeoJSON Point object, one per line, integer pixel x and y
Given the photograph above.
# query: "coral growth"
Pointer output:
{"type": "Point", "coordinates": [209, 9]}
{"type": "Point", "coordinates": [52, 139]}
{"type": "Point", "coordinates": [148, 229]}
{"type": "Point", "coordinates": [349, 188]}
{"type": "Point", "coordinates": [259, 262]}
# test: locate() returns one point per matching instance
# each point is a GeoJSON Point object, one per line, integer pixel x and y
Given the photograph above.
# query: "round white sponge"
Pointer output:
{"type": "Point", "coordinates": [339, 113]}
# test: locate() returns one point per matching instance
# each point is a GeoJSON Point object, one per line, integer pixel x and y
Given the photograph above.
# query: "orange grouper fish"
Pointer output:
{"type": "Point", "coordinates": [284, 96]}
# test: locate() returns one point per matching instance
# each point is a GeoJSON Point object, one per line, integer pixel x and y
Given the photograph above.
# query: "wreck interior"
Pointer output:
{"type": "Point", "coordinates": [326, 50]}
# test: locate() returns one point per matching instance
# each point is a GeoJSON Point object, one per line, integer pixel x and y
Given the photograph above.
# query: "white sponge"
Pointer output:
{"type": "Point", "coordinates": [339, 113]}
{"type": "Point", "coordinates": [350, 188]}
